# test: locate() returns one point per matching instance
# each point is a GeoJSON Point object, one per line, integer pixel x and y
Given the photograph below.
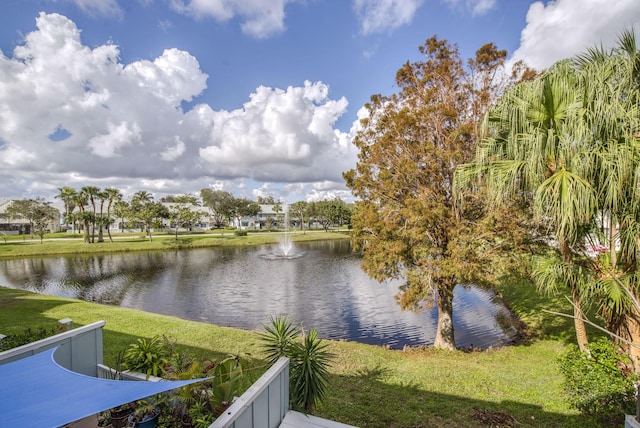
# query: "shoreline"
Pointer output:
{"type": "Point", "coordinates": [14, 248]}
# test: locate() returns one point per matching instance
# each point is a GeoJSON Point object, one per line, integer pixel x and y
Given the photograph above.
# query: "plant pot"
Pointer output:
{"type": "Point", "coordinates": [120, 417]}
{"type": "Point", "coordinates": [148, 421]}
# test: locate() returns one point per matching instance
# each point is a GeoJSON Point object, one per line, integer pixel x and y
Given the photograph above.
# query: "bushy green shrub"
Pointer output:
{"type": "Point", "coordinates": [240, 233]}
{"type": "Point", "coordinates": [27, 336]}
{"type": "Point", "coordinates": [228, 382]}
{"type": "Point", "coordinates": [147, 356]}
{"type": "Point", "coordinates": [599, 382]}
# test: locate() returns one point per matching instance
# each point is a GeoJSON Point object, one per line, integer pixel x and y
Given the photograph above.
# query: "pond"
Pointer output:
{"type": "Point", "coordinates": [322, 287]}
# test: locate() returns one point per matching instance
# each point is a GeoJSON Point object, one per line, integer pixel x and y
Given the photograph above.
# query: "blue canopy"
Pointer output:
{"type": "Point", "coordinates": [37, 392]}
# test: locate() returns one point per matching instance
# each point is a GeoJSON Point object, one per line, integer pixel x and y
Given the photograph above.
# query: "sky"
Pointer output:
{"type": "Point", "coordinates": [254, 97]}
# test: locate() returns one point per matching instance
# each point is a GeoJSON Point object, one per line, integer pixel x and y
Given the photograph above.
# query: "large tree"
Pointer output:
{"type": "Point", "coordinates": [66, 195]}
{"type": "Point", "coordinates": [90, 194]}
{"type": "Point", "coordinates": [406, 223]}
{"type": "Point", "coordinates": [532, 150]}
{"type": "Point", "coordinates": [610, 81]}
{"type": "Point", "coordinates": [112, 195]}
{"type": "Point", "coordinates": [182, 212]}
{"type": "Point", "coordinates": [300, 211]}
{"type": "Point", "coordinates": [569, 142]}
{"type": "Point", "coordinates": [122, 210]}
{"type": "Point", "coordinates": [220, 203]}
{"type": "Point", "coordinates": [329, 212]}
{"type": "Point", "coordinates": [81, 200]}
{"type": "Point", "coordinates": [102, 221]}
{"type": "Point", "coordinates": [38, 212]}
{"type": "Point", "coordinates": [243, 207]}
{"type": "Point", "coordinates": [147, 211]}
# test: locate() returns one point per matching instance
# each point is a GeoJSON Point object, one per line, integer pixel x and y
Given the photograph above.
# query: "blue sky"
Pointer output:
{"type": "Point", "coordinates": [256, 97]}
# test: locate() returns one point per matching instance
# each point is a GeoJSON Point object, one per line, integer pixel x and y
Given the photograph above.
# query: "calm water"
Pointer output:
{"type": "Point", "coordinates": [241, 287]}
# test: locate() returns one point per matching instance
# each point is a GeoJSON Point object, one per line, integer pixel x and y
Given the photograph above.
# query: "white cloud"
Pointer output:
{"type": "Point", "coordinates": [16, 157]}
{"type": "Point", "coordinates": [563, 28]}
{"type": "Point", "coordinates": [476, 7]}
{"type": "Point", "coordinates": [315, 195]}
{"type": "Point", "coordinates": [98, 7]}
{"type": "Point", "coordinates": [260, 18]}
{"type": "Point", "coordinates": [480, 7]}
{"type": "Point", "coordinates": [109, 109]}
{"type": "Point", "coordinates": [280, 135]}
{"type": "Point", "coordinates": [165, 24]}
{"type": "Point", "coordinates": [109, 145]}
{"type": "Point", "coordinates": [174, 152]}
{"type": "Point", "coordinates": [379, 16]}
{"type": "Point", "coordinates": [124, 124]}
{"type": "Point", "coordinates": [172, 77]}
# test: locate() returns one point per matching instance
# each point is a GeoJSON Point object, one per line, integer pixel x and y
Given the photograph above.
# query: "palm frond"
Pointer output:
{"type": "Point", "coordinates": [550, 273]}
{"type": "Point", "coordinates": [567, 199]}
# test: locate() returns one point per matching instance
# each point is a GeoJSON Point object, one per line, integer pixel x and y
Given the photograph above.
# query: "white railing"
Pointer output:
{"type": "Point", "coordinates": [81, 353]}
{"type": "Point", "coordinates": [264, 404]}
{"type": "Point", "coordinates": [106, 372]}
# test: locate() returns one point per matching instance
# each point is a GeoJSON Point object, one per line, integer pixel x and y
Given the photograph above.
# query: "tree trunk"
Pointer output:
{"type": "Point", "coordinates": [87, 237]}
{"type": "Point", "coordinates": [632, 334]}
{"type": "Point", "coordinates": [444, 334]}
{"type": "Point", "coordinates": [634, 351]}
{"type": "Point", "coordinates": [613, 231]}
{"type": "Point", "coordinates": [581, 330]}
{"type": "Point", "coordinates": [100, 234]}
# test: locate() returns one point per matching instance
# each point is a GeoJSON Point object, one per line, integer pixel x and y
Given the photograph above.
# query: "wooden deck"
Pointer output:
{"type": "Point", "coordinates": [300, 420]}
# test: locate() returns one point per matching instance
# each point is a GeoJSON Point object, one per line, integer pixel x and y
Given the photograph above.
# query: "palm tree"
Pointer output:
{"type": "Point", "coordinates": [91, 193]}
{"type": "Point", "coordinates": [570, 141]}
{"type": "Point", "coordinates": [611, 82]}
{"type": "Point", "coordinates": [67, 194]}
{"type": "Point", "coordinates": [112, 195]}
{"type": "Point", "coordinates": [121, 209]}
{"type": "Point", "coordinates": [145, 210]}
{"type": "Point", "coordinates": [138, 200]}
{"type": "Point", "coordinates": [80, 200]}
{"type": "Point", "coordinates": [532, 150]}
{"type": "Point", "coordinates": [101, 220]}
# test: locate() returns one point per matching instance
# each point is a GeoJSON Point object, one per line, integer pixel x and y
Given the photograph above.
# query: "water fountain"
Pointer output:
{"type": "Point", "coordinates": [286, 249]}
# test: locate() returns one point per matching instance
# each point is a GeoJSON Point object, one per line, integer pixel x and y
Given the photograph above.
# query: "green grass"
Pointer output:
{"type": "Point", "coordinates": [139, 242]}
{"type": "Point", "coordinates": [370, 386]}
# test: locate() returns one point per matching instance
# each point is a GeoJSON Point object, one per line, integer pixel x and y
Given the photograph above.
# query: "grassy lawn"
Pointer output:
{"type": "Point", "coordinates": [370, 386]}
{"type": "Point", "coordinates": [56, 244]}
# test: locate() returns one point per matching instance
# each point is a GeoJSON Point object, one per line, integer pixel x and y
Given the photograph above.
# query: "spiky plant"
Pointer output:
{"type": "Point", "coordinates": [308, 357]}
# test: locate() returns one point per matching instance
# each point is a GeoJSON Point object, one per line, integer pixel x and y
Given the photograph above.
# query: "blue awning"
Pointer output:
{"type": "Point", "coordinates": [37, 392]}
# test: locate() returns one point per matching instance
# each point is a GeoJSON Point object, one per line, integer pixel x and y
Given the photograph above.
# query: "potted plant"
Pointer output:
{"type": "Point", "coordinates": [120, 414]}
{"type": "Point", "coordinates": [145, 415]}
{"type": "Point", "coordinates": [183, 399]}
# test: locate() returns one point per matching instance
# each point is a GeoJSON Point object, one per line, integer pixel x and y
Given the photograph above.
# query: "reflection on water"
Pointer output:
{"type": "Point", "coordinates": [239, 287]}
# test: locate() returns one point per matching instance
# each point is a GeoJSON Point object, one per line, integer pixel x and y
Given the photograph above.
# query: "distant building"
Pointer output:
{"type": "Point", "coordinates": [11, 226]}
{"type": "Point", "coordinates": [19, 226]}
